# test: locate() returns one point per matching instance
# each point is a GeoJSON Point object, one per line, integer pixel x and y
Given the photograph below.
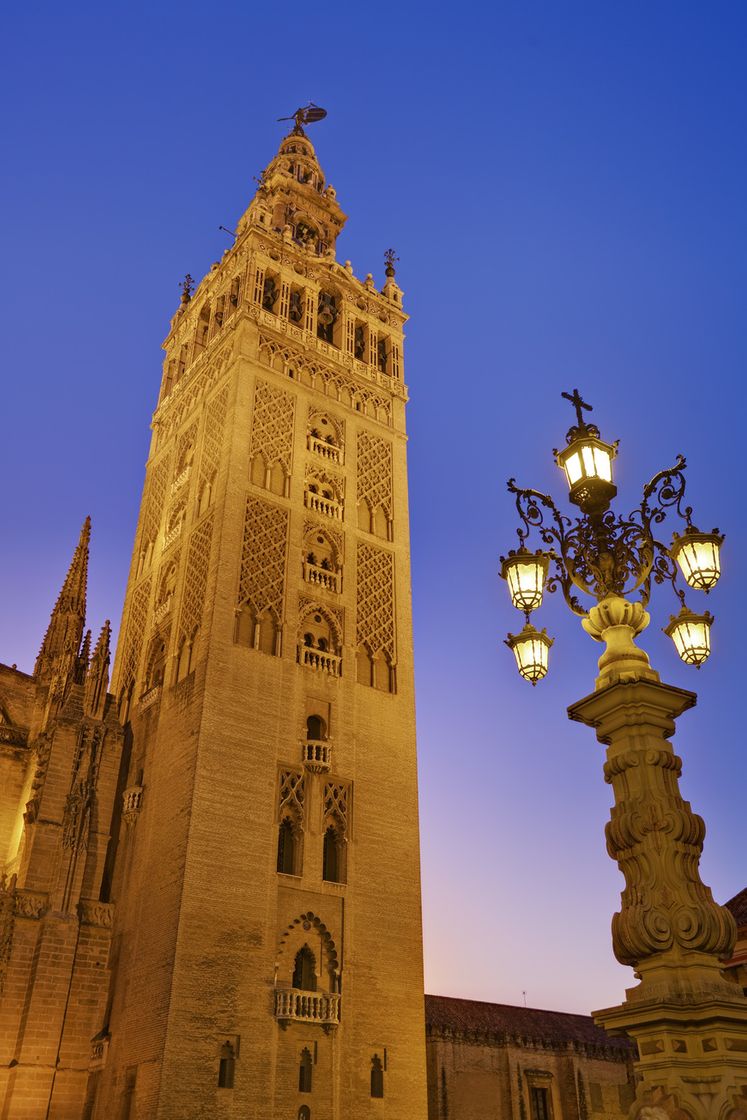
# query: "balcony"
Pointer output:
{"type": "Point", "coordinates": [292, 1005]}
{"type": "Point", "coordinates": [316, 755]}
{"type": "Point", "coordinates": [132, 802]}
{"type": "Point", "coordinates": [320, 660]}
{"type": "Point", "coordinates": [321, 577]}
{"type": "Point", "coordinates": [181, 478]}
{"type": "Point", "coordinates": [328, 507]}
{"type": "Point", "coordinates": [149, 698]}
{"type": "Point", "coordinates": [328, 451]}
{"type": "Point", "coordinates": [163, 609]}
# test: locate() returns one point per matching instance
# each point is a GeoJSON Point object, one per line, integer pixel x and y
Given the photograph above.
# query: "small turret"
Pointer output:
{"type": "Point", "coordinates": [97, 677]}
{"type": "Point", "coordinates": [62, 640]}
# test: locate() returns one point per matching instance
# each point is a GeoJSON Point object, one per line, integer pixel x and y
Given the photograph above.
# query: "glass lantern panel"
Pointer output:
{"type": "Point", "coordinates": [525, 582]}
{"type": "Point", "coordinates": [692, 639]}
{"type": "Point", "coordinates": [700, 564]}
{"type": "Point", "coordinates": [588, 457]}
{"type": "Point", "coordinates": [573, 468]}
{"type": "Point", "coordinates": [603, 464]}
{"type": "Point", "coordinates": [531, 658]}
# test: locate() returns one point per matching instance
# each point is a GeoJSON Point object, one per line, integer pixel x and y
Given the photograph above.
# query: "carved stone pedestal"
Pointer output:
{"type": "Point", "coordinates": [688, 1020]}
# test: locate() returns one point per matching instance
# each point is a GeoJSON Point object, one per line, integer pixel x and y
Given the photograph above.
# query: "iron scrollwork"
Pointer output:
{"type": "Point", "coordinates": [603, 554]}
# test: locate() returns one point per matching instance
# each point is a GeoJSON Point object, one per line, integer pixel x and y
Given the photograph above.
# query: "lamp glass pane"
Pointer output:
{"type": "Point", "coordinates": [700, 563]}
{"type": "Point", "coordinates": [531, 658]}
{"type": "Point", "coordinates": [588, 457]}
{"type": "Point", "coordinates": [573, 468]}
{"type": "Point", "coordinates": [603, 464]}
{"type": "Point", "coordinates": [692, 639]}
{"type": "Point", "coordinates": [525, 584]}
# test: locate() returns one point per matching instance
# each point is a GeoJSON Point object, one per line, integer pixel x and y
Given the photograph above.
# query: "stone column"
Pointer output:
{"type": "Point", "coordinates": [688, 1020]}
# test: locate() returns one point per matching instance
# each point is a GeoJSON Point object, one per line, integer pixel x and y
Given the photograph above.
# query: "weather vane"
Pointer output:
{"type": "Point", "coordinates": [309, 114]}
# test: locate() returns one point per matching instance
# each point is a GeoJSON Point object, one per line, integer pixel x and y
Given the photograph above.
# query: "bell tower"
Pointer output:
{"type": "Point", "coordinates": [267, 949]}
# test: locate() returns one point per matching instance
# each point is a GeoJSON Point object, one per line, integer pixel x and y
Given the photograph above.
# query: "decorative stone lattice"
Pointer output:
{"type": "Point", "coordinates": [375, 621]}
{"type": "Point", "coordinates": [291, 795]}
{"type": "Point", "coordinates": [185, 449]}
{"type": "Point", "coordinates": [135, 631]}
{"type": "Point", "coordinates": [336, 797]}
{"type": "Point", "coordinates": [375, 472]}
{"type": "Point", "coordinates": [155, 499]}
{"type": "Point", "coordinates": [263, 551]}
{"type": "Point", "coordinates": [195, 580]}
{"type": "Point", "coordinates": [212, 444]}
{"type": "Point", "coordinates": [272, 425]}
{"type": "Point", "coordinates": [335, 384]}
{"type": "Point", "coordinates": [182, 400]}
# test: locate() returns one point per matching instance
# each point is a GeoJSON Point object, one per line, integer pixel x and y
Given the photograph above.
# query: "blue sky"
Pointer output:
{"type": "Point", "coordinates": [564, 185]}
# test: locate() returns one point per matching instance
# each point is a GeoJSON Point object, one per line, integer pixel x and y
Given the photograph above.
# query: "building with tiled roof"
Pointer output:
{"type": "Point", "coordinates": [496, 1062]}
{"type": "Point", "coordinates": [737, 966]}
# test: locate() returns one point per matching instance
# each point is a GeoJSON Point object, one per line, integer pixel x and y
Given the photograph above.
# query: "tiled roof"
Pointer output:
{"type": "Point", "coordinates": [738, 907]}
{"type": "Point", "coordinates": [503, 1022]}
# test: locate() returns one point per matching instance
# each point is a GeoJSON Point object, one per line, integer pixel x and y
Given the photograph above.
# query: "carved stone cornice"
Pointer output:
{"type": "Point", "coordinates": [30, 904]}
{"type": "Point", "coordinates": [94, 913]}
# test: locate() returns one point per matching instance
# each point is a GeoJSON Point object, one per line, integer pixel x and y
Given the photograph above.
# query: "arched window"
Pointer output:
{"type": "Point", "coordinates": [227, 1066]}
{"type": "Point", "coordinates": [270, 293]}
{"type": "Point", "coordinates": [305, 1071]}
{"type": "Point", "coordinates": [327, 316]}
{"type": "Point", "coordinates": [333, 859]}
{"type": "Point", "coordinates": [316, 728]}
{"type": "Point", "coordinates": [377, 1077]}
{"type": "Point", "coordinates": [287, 848]}
{"type": "Point", "coordinates": [304, 971]}
{"type": "Point", "coordinates": [304, 1112]}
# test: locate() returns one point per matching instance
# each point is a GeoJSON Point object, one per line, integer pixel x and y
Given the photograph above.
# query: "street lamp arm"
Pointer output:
{"type": "Point", "coordinates": [668, 489]}
{"type": "Point", "coordinates": [530, 504]}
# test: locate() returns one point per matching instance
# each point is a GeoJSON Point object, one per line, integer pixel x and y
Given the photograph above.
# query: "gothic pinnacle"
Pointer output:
{"type": "Point", "coordinates": [67, 621]}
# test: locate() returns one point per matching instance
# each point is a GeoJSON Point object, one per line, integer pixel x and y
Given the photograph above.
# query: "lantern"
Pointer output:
{"type": "Point", "coordinates": [698, 555]}
{"type": "Point", "coordinates": [525, 573]}
{"type": "Point", "coordinates": [531, 649]}
{"type": "Point", "coordinates": [691, 634]}
{"type": "Point", "coordinates": [587, 462]}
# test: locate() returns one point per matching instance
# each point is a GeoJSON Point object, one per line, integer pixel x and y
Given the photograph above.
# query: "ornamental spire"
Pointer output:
{"type": "Point", "coordinates": [97, 678]}
{"type": "Point", "coordinates": [67, 622]}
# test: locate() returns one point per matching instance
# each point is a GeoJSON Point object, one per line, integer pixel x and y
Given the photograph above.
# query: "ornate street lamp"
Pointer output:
{"type": "Point", "coordinates": [690, 1023]}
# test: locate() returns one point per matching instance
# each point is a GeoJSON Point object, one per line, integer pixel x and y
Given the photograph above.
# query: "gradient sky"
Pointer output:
{"type": "Point", "coordinates": [565, 186]}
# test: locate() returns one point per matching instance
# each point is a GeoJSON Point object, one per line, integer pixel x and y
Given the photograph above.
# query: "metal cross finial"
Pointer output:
{"type": "Point", "coordinates": [578, 403]}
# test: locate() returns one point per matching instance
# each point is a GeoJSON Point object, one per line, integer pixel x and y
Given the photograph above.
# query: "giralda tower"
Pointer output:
{"type": "Point", "coordinates": [267, 952]}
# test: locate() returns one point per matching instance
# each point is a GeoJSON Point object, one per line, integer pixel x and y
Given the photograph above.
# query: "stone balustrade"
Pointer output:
{"type": "Point", "coordinates": [320, 660]}
{"type": "Point", "coordinates": [163, 608]}
{"type": "Point", "coordinates": [150, 697]}
{"type": "Point", "coordinates": [181, 478]}
{"type": "Point", "coordinates": [322, 447]}
{"type": "Point", "coordinates": [307, 1007]}
{"type": "Point", "coordinates": [316, 755]}
{"type": "Point", "coordinates": [321, 577]}
{"type": "Point", "coordinates": [132, 802]}
{"type": "Point", "coordinates": [328, 507]}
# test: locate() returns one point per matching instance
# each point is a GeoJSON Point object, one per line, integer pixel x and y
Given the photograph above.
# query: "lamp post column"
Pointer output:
{"type": "Point", "coordinates": [688, 1020]}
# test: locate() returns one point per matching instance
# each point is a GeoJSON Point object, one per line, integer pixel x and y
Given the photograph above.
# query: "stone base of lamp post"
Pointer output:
{"type": "Point", "coordinates": [688, 1020]}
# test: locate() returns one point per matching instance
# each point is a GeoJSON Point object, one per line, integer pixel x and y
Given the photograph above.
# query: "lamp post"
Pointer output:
{"type": "Point", "coordinates": [688, 1019]}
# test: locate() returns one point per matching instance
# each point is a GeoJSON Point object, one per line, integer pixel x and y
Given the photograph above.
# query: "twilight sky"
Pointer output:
{"type": "Point", "coordinates": [565, 186]}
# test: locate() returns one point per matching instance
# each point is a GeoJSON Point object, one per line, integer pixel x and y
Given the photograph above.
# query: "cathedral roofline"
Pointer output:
{"type": "Point", "coordinates": [505, 1022]}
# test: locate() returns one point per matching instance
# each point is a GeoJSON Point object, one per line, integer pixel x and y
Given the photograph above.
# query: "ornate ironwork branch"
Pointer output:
{"type": "Point", "coordinates": [603, 554]}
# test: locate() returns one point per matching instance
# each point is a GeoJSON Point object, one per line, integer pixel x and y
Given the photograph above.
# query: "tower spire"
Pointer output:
{"type": "Point", "coordinates": [66, 624]}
